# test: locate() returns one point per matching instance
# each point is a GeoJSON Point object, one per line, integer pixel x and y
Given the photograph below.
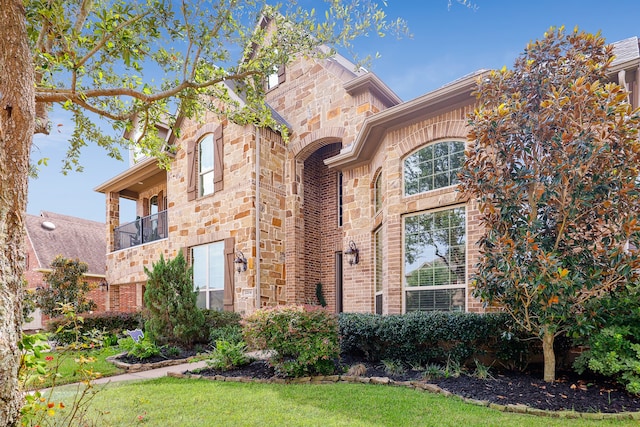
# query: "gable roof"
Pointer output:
{"type": "Point", "coordinates": [54, 234]}
{"type": "Point", "coordinates": [627, 52]}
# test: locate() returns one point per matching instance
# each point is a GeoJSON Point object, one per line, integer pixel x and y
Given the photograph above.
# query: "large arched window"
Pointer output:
{"type": "Point", "coordinates": [433, 166]}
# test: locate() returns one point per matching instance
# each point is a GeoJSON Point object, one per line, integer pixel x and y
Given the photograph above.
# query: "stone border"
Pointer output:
{"type": "Point", "coordinates": [422, 386]}
{"type": "Point", "coordinates": [139, 367]}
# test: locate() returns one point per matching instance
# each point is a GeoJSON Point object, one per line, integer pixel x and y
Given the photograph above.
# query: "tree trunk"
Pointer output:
{"type": "Point", "coordinates": [17, 121]}
{"type": "Point", "coordinates": [549, 356]}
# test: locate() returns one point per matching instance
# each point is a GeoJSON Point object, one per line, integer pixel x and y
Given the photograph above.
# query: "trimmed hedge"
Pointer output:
{"type": "Point", "coordinates": [425, 337]}
{"type": "Point", "coordinates": [112, 323]}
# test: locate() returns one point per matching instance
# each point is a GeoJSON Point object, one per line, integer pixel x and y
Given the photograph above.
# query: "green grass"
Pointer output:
{"type": "Point", "coordinates": [191, 402]}
{"type": "Point", "coordinates": [64, 362]}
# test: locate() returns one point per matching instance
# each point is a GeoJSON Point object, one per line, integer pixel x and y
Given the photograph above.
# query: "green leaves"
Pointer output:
{"type": "Point", "coordinates": [553, 163]}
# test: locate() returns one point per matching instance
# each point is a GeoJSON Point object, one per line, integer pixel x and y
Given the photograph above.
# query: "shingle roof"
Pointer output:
{"type": "Point", "coordinates": [626, 50]}
{"type": "Point", "coordinates": [70, 237]}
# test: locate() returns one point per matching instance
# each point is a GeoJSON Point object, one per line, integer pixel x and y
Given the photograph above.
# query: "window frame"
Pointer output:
{"type": "Point", "coordinates": [432, 177]}
{"type": "Point", "coordinates": [207, 289]}
{"type": "Point", "coordinates": [378, 285]}
{"type": "Point", "coordinates": [377, 193]}
{"type": "Point", "coordinates": [464, 286]}
{"type": "Point", "coordinates": [204, 174]}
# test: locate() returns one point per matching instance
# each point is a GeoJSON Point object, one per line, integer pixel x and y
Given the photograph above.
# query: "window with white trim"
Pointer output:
{"type": "Point", "coordinates": [205, 165]}
{"type": "Point", "coordinates": [434, 166]}
{"type": "Point", "coordinates": [208, 274]}
{"type": "Point", "coordinates": [435, 260]}
{"type": "Point", "coordinates": [377, 193]}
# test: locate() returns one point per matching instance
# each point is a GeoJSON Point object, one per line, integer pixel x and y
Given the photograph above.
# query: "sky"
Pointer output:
{"type": "Point", "coordinates": [447, 43]}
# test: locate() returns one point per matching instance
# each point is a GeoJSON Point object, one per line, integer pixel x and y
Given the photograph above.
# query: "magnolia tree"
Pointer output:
{"type": "Point", "coordinates": [554, 163]}
{"type": "Point", "coordinates": [97, 59]}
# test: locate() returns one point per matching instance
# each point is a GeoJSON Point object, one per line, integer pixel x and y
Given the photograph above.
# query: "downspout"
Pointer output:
{"type": "Point", "coordinates": [257, 163]}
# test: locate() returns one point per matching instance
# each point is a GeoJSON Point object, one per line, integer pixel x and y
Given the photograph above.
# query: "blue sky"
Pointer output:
{"type": "Point", "coordinates": [448, 43]}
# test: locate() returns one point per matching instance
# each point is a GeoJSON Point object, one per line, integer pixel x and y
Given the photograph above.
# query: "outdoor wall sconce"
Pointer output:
{"type": "Point", "coordinates": [104, 286]}
{"type": "Point", "coordinates": [353, 254]}
{"type": "Point", "coordinates": [240, 262]}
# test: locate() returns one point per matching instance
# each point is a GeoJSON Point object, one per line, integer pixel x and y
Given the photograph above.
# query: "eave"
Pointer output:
{"type": "Point", "coordinates": [134, 180]}
{"type": "Point", "coordinates": [374, 129]}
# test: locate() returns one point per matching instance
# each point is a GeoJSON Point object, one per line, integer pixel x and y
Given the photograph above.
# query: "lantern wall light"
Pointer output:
{"type": "Point", "coordinates": [353, 254]}
{"type": "Point", "coordinates": [240, 262]}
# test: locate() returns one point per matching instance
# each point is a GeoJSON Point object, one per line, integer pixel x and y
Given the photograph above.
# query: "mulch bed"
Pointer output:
{"type": "Point", "coordinates": [569, 392]}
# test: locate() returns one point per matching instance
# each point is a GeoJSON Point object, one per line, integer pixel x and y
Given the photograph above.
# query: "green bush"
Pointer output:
{"type": "Point", "coordinates": [231, 333]}
{"type": "Point", "coordinates": [173, 317]}
{"type": "Point", "coordinates": [613, 352]}
{"type": "Point", "coordinates": [142, 349]}
{"type": "Point", "coordinates": [304, 339]}
{"type": "Point", "coordinates": [214, 319]}
{"type": "Point", "coordinates": [420, 338]}
{"type": "Point", "coordinates": [109, 323]}
{"type": "Point", "coordinates": [227, 355]}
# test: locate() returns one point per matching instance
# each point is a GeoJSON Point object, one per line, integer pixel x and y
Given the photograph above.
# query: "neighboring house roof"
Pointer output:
{"type": "Point", "coordinates": [54, 234]}
{"type": "Point", "coordinates": [626, 51]}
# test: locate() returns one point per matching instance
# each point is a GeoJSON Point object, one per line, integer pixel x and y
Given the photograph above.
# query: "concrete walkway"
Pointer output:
{"type": "Point", "coordinates": [151, 373]}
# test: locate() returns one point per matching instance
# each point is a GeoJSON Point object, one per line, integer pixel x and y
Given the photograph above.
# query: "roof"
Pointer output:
{"type": "Point", "coordinates": [626, 51]}
{"type": "Point", "coordinates": [54, 234]}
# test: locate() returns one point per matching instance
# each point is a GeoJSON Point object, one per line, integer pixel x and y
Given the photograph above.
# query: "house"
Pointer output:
{"type": "Point", "coordinates": [362, 198]}
{"type": "Point", "coordinates": [51, 234]}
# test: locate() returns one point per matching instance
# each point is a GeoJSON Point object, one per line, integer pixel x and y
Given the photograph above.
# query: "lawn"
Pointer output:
{"type": "Point", "coordinates": [191, 402]}
{"type": "Point", "coordinates": [65, 364]}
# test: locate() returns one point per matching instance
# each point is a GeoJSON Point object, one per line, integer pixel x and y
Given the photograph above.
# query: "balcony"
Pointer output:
{"type": "Point", "coordinates": [143, 230]}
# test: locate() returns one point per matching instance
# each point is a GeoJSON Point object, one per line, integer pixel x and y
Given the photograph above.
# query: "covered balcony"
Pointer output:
{"type": "Point", "coordinates": [145, 183]}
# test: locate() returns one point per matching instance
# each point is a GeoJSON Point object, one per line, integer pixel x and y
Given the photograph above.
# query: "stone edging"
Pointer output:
{"type": "Point", "coordinates": [418, 385]}
{"type": "Point", "coordinates": [139, 367]}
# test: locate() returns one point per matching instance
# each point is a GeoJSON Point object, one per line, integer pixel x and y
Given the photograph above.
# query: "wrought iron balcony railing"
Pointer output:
{"type": "Point", "coordinates": [142, 230]}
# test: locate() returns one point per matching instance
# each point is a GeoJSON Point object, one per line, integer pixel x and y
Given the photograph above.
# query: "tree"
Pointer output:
{"type": "Point", "coordinates": [65, 286]}
{"type": "Point", "coordinates": [96, 59]}
{"type": "Point", "coordinates": [173, 317]}
{"type": "Point", "coordinates": [554, 166]}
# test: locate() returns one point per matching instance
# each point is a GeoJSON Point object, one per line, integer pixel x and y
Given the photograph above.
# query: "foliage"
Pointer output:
{"type": "Point", "coordinates": [553, 165]}
{"type": "Point", "coordinates": [172, 315]}
{"type": "Point", "coordinates": [109, 324]}
{"type": "Point", "coordinates": [231, 333]}
{"type": "Point", "coordinates": [40, 407]}
{"type": "Point", "coordinates": [419, 338]}
{"type": "Point", "coordinates": [202, 49]}
{"type": "Point", "coordinates": [228, 355]}
{"type": "Point", "coordinates": [141, 349]}
{"type": "Point", "coordinates": [65, 285]}
{"type": "Point", "coordinates": [320, 295]}
{"type": "Point", "coordinates": [304, 338]}
{"type": "Point", "coordinates": [29, 304]}
{"type": "Point", "coordinates": [223, 325]}
{"type": "Point", "coordinates": [614, 352]}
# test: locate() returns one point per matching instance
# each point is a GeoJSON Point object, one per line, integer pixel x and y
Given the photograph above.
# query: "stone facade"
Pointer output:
{"type": "Point", "coordinates": [293, 207]}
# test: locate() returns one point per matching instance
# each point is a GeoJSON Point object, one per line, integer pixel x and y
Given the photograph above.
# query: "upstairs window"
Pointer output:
{"type": "Point", "coordinates": [434, 166]}
{"type": "Point", "coordinates": [276, 78]}
{"type": "Point", "coordinates": [205, 165]}
{"type": "Point", "coordinates": [205, 158]}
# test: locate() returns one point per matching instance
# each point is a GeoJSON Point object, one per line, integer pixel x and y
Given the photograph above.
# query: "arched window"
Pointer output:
{"type": "Point", "coordinates": [433, 166]}
{"type": "Point", "coordinates": [153, 205]}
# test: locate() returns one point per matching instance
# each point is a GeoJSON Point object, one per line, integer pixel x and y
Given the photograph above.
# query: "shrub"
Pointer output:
{"type": "Point", "coordinates": [173, 317]}
{"type": "Point", "coordinates": [304, 339]}
{"type": "Point", "coordinates": [110, 323]}
{"type": "Point", "coordinates": [142, 349]}
{"type": "Point", "coordinates": [227, 355]}
{"type": "Point", "coordinates": [614, 352]}
{"type": "Point", "coordinates": [65, 285]}
{"type": "Point", "coordinates": [231, 333]}
{"type": "Point", "coordinates": [419, 338]}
